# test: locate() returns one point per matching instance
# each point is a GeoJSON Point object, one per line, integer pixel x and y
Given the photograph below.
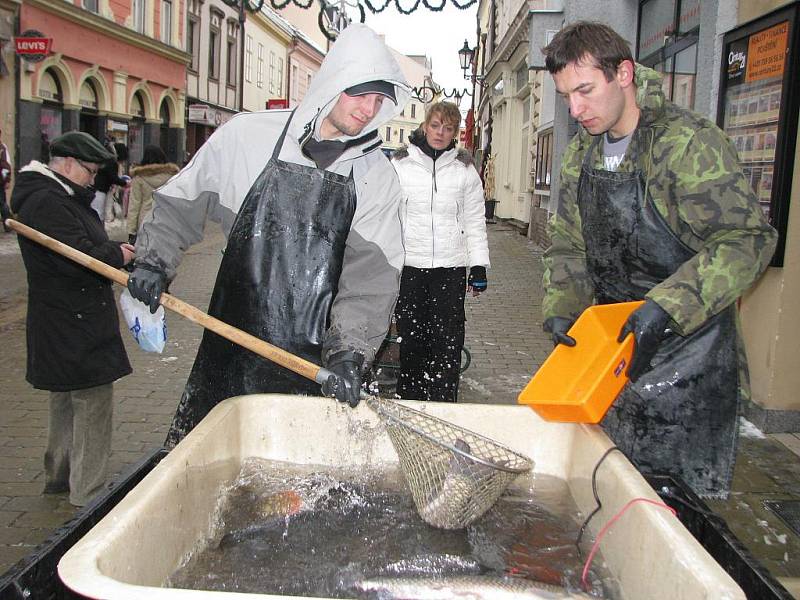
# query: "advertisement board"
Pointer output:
{"type": "Point", "coordinates": [758, 106]}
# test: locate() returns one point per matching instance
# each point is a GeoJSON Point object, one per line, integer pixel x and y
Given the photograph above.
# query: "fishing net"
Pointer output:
{"type": "Point", "coordinates": [455, 475]}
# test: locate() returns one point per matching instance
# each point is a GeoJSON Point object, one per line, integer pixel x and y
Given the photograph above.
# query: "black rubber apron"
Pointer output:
{"type": "Point", "coordinates": [680, 417]}
{"type": "Point", "coordinates": [277, 280]}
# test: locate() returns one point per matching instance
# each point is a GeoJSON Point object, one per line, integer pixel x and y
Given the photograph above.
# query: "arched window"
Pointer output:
{"type": "Point", "coordinates": [88, 97]}
{"type": "Point", "coordinates": [136, 129]}
{"type": "Point", "coordinates": [50, 116]}
{"type": "Point", "coordinates": [164, 133]}
{"type": "Point", "coordinates": [49, 87]}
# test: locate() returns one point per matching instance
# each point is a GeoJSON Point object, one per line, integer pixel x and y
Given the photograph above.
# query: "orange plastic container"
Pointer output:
{"type": "Point", "coordinates": [578, 384]}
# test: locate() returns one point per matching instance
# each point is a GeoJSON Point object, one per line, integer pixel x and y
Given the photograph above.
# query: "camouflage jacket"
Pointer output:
{"type": "Point", "coordinates": [693, 177]}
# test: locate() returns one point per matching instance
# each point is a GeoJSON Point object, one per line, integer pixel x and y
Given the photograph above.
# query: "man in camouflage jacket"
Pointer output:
{"type": "Point", "coordinates": [676, 224]}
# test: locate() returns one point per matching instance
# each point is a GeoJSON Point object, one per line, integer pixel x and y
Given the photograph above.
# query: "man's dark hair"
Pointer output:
{"type": "Point", "coordinates": [587, 41]}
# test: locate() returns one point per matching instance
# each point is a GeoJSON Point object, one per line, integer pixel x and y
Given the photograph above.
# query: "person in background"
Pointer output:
{"type": "Point", "coordinates": [444, 234]}
{"type": "Point", "coordinates": [309, 206]}
{"type": "Point", "coordinates": [5, 179]}
{"type": "Point", "coordinates": [107, 177]}
{"type": "Point", "coordinates": [653, 206]}
{"type": "Point", "coordinates": [153, 172]}
{"type": "Point", "coordinates": [44, 148]}
{"type": "Point", "coordinates": [75, 350]}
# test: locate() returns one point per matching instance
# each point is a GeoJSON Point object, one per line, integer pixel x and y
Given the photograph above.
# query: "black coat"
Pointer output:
{"type": "Point", "coordinates": [73, 332]}
{"type": "Point", "coordinates": [107, 176]}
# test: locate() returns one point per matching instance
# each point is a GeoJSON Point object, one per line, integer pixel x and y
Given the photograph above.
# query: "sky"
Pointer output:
{"type": "Point", "coordinates": [439, 35]}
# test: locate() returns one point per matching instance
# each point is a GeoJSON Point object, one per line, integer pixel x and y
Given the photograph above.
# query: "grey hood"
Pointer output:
{"type": "Point", "coordinates": [358, 56]}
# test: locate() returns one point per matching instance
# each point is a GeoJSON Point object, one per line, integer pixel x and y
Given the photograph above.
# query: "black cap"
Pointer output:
{"type": "Point", "coordinates": [80, 145]}
{"type": "Point", "coordinates": [373, 87]}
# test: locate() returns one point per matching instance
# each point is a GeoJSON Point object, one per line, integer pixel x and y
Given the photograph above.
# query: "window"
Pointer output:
{"type": "Point", "coordinates": [413, 111]}
{"type": "Point", "coordinates": [193, 41]}
{"type": "Point", "coordinates": [50, 87]}
{"type": "Point", "coordinates": [294, 82]}
{"type": "Point", "coordinates": [231, 52]}
{"type": "Point", "coordinates": [138, 12]}
{"type": "Point", "coordinates": [388, 134]}
{"type": "Point", "coordinates": [403, 112]}
{"type": "Point", "coordinates": [214, 46]}
{"type": "Point", "coordinates": [544, 160]}
{"type": "Point", "coordinates": [88, 95]}
{"type": "Point", "coordinates": [668, 34]}
{"type": "Point", "coordinates": [260, 67]}
{"type": "Point", "coordinates": [91, 5]}
{"type": "Point", "coordinates": [280, 77]}
{"type": "Point", "coordinates": [230, 71]}
{"type": "Point", "coordinates": [402, 136]}
{"type": "Point", "coordinates": [271, 73]}
{"type": "Point", "coordinates": [166, 21]}
{"type": "Point", "coordinates": [248, 58]}
{"type": "Point", "coordinates": [137, 106]}
{"type": "Point", "coordinates": [521, 77]}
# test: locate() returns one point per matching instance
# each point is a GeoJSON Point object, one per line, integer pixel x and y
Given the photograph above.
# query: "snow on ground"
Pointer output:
{"type": "Point", "coordinates": [748, 430]}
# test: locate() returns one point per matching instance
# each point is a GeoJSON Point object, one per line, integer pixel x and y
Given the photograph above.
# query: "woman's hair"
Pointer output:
{"type": "Point", "coordinates": [447, 111]}
{"type": "Point", "coordinates": [153, 155]}
{"type": "Point", "coordinates": [590, 42]}
{"type": "Point", "coordinates": [121, 150]}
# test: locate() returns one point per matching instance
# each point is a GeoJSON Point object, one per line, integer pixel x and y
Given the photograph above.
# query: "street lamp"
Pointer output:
{"type": "Point", "coordinates": [465, 58]}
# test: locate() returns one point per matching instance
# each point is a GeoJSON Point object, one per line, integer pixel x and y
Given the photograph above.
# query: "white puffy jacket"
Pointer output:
{"type": "Point", "coordinates": [442, 209]}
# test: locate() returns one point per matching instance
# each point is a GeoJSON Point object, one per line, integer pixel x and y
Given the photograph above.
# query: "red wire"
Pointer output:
{"type": "Point", "coordinates": [607, 526]}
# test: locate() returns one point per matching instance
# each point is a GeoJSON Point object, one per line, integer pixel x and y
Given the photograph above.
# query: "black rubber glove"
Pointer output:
{"type": "Point", "coordinates": [559, 326]}
{"type": "Point", "coordinates": [146, 283]}
{"type": "Point", "coordinates": [344, 383]}
{"type": "Point", "coordinates": [647, 324]}
{"type": "Point", "coordinates": [477, 279]}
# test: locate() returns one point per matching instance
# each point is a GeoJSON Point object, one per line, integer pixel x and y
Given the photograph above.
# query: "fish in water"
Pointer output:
{"type": "Point", "coordinates": [271, 511]}
{"type": "Point", "coordinates": [462, 481]}
{"type": "Point", "coordinates": [464, 587]}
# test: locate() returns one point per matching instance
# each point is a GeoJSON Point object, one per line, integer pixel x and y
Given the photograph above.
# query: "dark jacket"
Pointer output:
{"type": "Point", "coordinates": [107, 176]}
{"type": "Point", "coordinates": [73, 332]}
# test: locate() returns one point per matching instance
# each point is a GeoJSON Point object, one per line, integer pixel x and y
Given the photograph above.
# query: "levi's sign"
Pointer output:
{"type": "Point", "coordinates": [33, 45]}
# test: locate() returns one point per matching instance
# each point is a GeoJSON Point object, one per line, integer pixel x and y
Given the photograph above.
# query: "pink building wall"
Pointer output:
{"type": "Point", "coordinates": [79, 45]}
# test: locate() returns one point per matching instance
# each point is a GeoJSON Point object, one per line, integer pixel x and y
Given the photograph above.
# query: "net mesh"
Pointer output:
{"type": "Point", "coordinates": [455, 475]}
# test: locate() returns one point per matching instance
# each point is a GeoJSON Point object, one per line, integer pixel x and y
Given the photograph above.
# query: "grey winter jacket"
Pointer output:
{"type": "Point", "coordinates": [215, 182]}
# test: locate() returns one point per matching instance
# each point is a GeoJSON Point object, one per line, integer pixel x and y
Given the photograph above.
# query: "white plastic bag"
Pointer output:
{"type": "Point", "coordinates": [149, 330]}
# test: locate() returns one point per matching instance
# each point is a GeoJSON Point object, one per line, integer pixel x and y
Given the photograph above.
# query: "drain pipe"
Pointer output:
{"type": "Point", "coordinates": [241, 53]}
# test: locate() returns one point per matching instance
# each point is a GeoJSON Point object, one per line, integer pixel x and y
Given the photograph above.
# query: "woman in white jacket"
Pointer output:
{"type": "Point", "coordinates": [444, 233]}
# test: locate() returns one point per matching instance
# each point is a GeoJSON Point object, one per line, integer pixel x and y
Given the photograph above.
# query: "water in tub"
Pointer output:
{"type": "Point", "coordinates": [294, 530]}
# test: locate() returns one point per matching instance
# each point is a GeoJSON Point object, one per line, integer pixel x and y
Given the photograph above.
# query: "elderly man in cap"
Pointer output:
{"type": "Point", "coordinates": [74, 346]}
{"type": "Point", "coordinates": [310, 207]}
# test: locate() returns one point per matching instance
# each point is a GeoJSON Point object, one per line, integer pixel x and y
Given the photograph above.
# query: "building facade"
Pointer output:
{"type": "Point", "coordinates": [417, 70]}
{"type": "Point", "coordinates": [305, 58]}
{"type": "Point", "coordinates": [505, 111]}
{"type": "Point", "coordinates": [267, 41]}
{"type": "Point", "coordinates": [213, 78]}
{"type": "Point", "coordinates": [9, 11]}
{"type": "Point", "coordinates": [116, 70]}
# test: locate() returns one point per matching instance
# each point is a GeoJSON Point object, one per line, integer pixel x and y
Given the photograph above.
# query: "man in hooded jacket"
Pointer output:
{"type": "Point", "coordinates": [314, 251]}
{"type": "Point", "coordinates": [653, 206]}
{"type": "Point", "coordinates": [74, 346]}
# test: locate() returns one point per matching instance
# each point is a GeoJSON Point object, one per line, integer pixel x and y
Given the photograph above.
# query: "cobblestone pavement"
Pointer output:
{"type": "Point", "coordinates": [504, 338]}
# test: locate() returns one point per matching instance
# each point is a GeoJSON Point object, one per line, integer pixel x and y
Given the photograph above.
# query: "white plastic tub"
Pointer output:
{"type": "Point", "coordinates": [142, 540]}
